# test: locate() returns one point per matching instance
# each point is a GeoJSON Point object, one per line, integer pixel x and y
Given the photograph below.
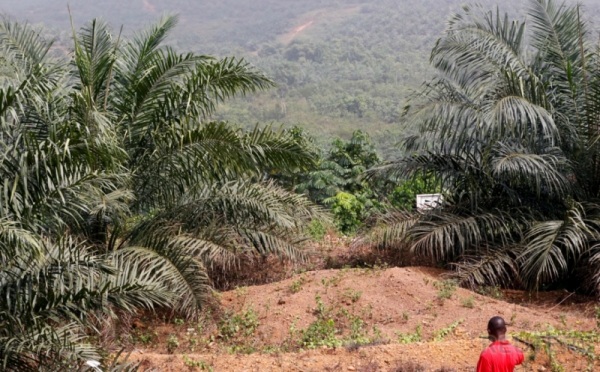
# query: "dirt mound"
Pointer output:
{"type": "Point", "coordinates": [363, 320]}
{"type": "Point", "coordinates": [395, 301]}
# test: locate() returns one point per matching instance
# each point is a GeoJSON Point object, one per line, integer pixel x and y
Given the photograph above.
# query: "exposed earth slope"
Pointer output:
{"type": "Point", "coordinates": [400, 315]}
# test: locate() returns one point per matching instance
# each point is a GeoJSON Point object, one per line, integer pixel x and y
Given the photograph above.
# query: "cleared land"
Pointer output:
{"type": "Point", "coordinates": [384, 318]}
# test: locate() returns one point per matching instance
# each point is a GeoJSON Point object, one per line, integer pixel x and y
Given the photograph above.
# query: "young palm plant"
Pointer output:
{"type": "Point", "coordinates": [510, 130]}
{"type": "Point", "coordinates": [118, 190]}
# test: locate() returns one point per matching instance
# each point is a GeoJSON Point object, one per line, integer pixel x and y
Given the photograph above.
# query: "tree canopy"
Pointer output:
{"type": "Point", "coordinates": [510, 131]}
{"type": "Point", "coordinates": [119, 191]}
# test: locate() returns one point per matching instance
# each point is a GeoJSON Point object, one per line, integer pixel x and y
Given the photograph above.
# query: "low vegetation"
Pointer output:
{"type": "Point", "coordinates": [551, 341]}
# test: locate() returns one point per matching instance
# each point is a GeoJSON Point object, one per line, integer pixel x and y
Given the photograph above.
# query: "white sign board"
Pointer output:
{"type": "Point", "coordinates": [429, 201]}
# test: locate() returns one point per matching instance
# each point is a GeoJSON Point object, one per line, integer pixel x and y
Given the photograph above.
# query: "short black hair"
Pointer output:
{"type": "Point", "coordinates": [496, 324]}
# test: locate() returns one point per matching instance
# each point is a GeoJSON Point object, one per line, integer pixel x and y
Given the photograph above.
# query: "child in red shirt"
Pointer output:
{"type": "Point", "coordinates": [500, 356]}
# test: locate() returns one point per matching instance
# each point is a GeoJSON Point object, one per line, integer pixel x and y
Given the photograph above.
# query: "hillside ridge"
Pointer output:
{"type": "Point", "coordinates": [352, 68]}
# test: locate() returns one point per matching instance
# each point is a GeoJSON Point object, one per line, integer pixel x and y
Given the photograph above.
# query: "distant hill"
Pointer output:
{"type": "Point", "coordinates": [340, 65]}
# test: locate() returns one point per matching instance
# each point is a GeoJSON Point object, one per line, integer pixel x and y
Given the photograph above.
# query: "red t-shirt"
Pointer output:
{"type": "Point", "coordinates": [500, 356]}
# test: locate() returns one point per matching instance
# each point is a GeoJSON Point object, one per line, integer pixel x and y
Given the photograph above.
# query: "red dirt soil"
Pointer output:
{"type": "Point", "coordinates": [289, 37]}
{"type": "Point", "coordinates": [460, 355]}
{"type": "Point", "coordinates": [320, 16]}
{"type": "Point", "coordinates": [393, 300]}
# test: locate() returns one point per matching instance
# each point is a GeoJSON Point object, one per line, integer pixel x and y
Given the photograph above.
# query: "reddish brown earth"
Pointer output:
{"type": "Point", "coordinates": [393, 300]}
{"type": "Point", "coordinates": [456, 355]}
{"type": "Point", "coordinates": [325, 15]}
{"type": "Point", "coordinates": [289, 37]}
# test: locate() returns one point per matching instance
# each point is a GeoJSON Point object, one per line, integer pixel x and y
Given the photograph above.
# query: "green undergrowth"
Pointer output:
{"type": "Point", "coordinates": [408, 338]}
{"type": "Point", "coordinates": [552, 341]}
{"type": "Point", "coordinates": [335, 326]}
{"type": "Point", "coordinates": [445, 289]}
{"type": "Point", "coordinates": [343, 320]}
{"type": "Point", "coordinates": [238, 330]}
{"type": "Point", "coordinates": [442, 333]}
{"type": "Point", "coordinates": [197, 364]}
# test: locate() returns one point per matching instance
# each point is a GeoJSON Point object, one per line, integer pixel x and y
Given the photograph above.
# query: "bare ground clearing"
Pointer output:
{"type": "Point", "coordinates": [391, 305]}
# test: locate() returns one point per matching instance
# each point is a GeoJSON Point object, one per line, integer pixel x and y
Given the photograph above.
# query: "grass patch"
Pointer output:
{"type": "Point", "coordinates": [489, 291]}
{"type": "Point", "coordinates": [297, 285]}
{"type": "Point", "coordinates": [238, 329]}
{"type": "Point", "coordinates": [445, 289]}
{"type": "Point", "coordinates": [353, 295]}
{"type": "Point", "coordinates": [172, 344]}
{"type": "Point", "coordinates": [468, 302]}
{"type": "Point", "coordinates": [408, 338]}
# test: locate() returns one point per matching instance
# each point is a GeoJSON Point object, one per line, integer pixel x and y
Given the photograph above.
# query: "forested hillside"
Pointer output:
{"type": "Point", "coordinates": [339, 65]}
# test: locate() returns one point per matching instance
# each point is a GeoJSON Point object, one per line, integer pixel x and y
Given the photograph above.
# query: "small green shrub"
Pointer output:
{"type": "Point", "coordinates": [236, 325]}
{"type": "Point", "coordinates": [144, 338]}
{"type": "Point", "coordinates": [333, 281]}
{"type": "Point", "coordinates": [192, 342]}
{"type": "Point", "coordinates": [445, 289]}
{"type": "Point", "coordinates": [172, 344]}
{"type": "Point", "coordinates": [317, 230]}
{"type": "Point", "coordinates": [490, 291]}
{"type": "Point", "coordinates": [320, 333]}
{"type": "Point", "coordinates": [178, 321]}
{"type": "Point", "coordinates": [297, 285]}
{"type": "Point", "coordinates": [197, 364]}
{"type": "Point", "coordinates": [241, 292]}
{"type": "Point", "coordinates": [468, 302]}
{"type": "Point", "coordinates": [347, 210]}
{"type": "Point", "coordinates": [408, 338]}
{"type": "Point", "coordinates": [358, 334]}
{"type": "Point", "coordinates": [563, 319]}
{"type": "Point", "coordinates": [353, 295]}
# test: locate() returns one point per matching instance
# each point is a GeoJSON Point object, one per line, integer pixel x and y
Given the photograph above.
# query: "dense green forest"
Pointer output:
{"type": "Point", "coordinates": [352, 66]}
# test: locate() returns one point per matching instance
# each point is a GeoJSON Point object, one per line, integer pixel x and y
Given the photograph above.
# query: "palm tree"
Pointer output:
{"type": "Point", "coordinates": [118, 189]}
{"type": "Point", "coordinates": [510, 131]}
